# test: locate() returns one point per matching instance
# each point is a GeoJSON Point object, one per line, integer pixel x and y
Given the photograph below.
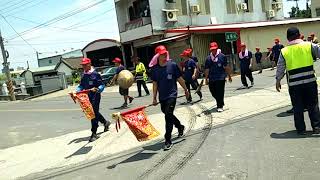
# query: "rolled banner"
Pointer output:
{"type": "Point", "coordinates": [83, 99]}
{"type": "Point", "coordinates": [138, 123]}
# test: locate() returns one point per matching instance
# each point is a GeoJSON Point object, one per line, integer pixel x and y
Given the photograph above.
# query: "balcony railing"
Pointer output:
{"type": "Point", "coordinates": [137, 23]}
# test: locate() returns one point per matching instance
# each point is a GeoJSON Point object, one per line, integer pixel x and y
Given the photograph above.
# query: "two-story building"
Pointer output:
{"type": "Point", "coordinates": [179, 24]}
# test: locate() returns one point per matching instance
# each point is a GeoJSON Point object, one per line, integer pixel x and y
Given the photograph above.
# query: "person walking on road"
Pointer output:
{"type": "Point", "coordinates": [141, 75]}
{"type": "Point", "coordinates": [275, 51]}
{"type": "Point", "coordinates": [245, 58]}
{"type": "Point", "coordinates": [123, 92]}
{"type": "Point", "coordinates": [91, 80]}
{"type": "Point", "coordinates": [190, 71]}
{"type": "Point", "coordinates": [216, 71]}
{"type": "Point", "coordinates": [258, 56]}
{"type": "Point", "coordinates": [165, 75]}
{"type": "Point", "coordinates": [298, 60]}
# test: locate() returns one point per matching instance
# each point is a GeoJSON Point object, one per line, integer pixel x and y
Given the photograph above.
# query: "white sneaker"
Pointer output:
{"type": "Point", "coordinates": [220, 110]}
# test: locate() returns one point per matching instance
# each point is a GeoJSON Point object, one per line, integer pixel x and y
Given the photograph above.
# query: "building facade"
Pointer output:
{"type": "Point", "coordinates": [143, 23]}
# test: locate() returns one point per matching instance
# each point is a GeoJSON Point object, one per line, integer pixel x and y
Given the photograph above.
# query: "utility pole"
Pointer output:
{"type": "Point", "coordinates": [7, 70]}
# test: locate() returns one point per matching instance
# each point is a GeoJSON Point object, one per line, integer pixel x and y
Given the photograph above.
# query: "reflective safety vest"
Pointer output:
{"type": "Point", "coordinates": [141, 72]}
{"type": "Point", "coordinates": [299, 63]}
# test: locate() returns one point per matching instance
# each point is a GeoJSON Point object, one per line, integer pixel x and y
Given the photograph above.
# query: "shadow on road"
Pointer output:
{"type": "Point", "coordinates": [293, 135]}
{"type": "Point", "coordinates": [83, 150]}
{"type": "Point", "coordinates": [79, 140]}
{"type": "Point", "coordinates": [284, 114]}
{"type": "Point", "coordinates": [142, 155]}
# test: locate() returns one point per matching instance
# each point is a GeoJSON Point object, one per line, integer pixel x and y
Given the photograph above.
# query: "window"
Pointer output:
{"type": "Point", "coordinates": [249, 5]}
{"type": "Point", "coordinates": [263, 6]}
{"type": "Point", "coordinates": [50, 61]}
{"type": "Point", "coordinates": [184, 7]}
{"type": "Point", "coordinates": [318, 12]}
{"type": "Point", "coordinates": [139, 8]}
{"type": "Point", "coordinates": [207, 6]}
{"type": "Point", "coordinates": [231, 6]}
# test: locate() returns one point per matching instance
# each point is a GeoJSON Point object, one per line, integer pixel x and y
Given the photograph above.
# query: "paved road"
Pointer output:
{"type": "Point", "coordinates": [261, 147]}
{"type": "Point", "coordinates": [31, 121]}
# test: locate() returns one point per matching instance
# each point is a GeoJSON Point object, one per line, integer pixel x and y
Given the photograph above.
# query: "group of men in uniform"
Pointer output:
{"type": "Point", "coordinates": [296, 60]}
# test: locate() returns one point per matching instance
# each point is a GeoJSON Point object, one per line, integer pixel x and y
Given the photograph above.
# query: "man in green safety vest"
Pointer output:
{"type": "Point", "coordinates": [141, 75]}
{"type": "Point", "coordinates": [297, 60]}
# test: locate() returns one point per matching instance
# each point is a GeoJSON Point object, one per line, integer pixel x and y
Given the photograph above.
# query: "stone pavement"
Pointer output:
{"type": "Point", "coordinates": [73, 148]}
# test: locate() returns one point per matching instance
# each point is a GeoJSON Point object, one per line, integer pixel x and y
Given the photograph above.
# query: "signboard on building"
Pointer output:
{"type": "Point", "coordinates": [231, 36]}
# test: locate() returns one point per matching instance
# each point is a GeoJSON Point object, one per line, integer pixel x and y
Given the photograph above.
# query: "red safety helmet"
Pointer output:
{"type": "Point", "coordinates": [243, 44]}
{"type": "Point", "coordinates": [161, 50]}
{"type": "Point", "coordinates": [213, 46]}
{"type": "Point", "coordinates": [85, 61]}
{"type": "Point", "coordinates": [117, 60]}
{"type": "Point", "coordinates": [186, 53]}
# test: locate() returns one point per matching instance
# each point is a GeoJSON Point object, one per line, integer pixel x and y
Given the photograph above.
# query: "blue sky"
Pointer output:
{"type": "Point", "coordinates": [52, 39]}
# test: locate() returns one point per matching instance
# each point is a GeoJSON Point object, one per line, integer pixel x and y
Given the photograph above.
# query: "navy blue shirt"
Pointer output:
{"type": "Point", "coordinates": [216, 69]}
{"type": "Point", "coordinates": [166, 78]}
{"type": "Point", "coordinates": [276, 50]}
{"type": "Point", "coordinates": [119, 69]}
{"type": "Point", "coordinates": [189, 67]}
{"type": "Point", "coordinates": [258, 56]}
{"type": "Point", "coordinates": [195, 59]}
{"type": "Point", "coordinates": [89, 81]}
{"type": "Point", "coordinates": [245, 61]}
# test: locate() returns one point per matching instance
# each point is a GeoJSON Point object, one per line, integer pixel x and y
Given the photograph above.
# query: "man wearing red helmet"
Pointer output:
{"type": "Point", "coordinates": [123, 92]}
{"type": "Point", "coordinates": [245, 58]}
{"type": "Point", "coordinates": [276, 50]}
{"type": "Point", "coordinates": [216, 71]}
{"type": "Point", "coordinates": [165, 75]}
{"type": "Point", "coordinates": [190, 72]}
{"type": "Point", "coordinates": [91, 80]}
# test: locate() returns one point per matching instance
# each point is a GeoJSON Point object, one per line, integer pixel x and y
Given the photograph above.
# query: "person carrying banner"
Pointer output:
{"type": "Point", "coordinates": [141, 75]}
{"type": "Point", "coordinates": [165, 75]}
{"type": "Point", "coordinates": [91, 80]}
{"type": "Point", "coordinates": [123, 92]}
{"type": "Point", "coordinates": [216, 71]}
{"type": "Point", "coordinates": [190, 71]}
{"type": "Point", "coordinates": [245, 58]}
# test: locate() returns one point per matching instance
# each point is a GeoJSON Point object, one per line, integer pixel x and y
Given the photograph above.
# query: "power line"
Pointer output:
{"type": "Point", "coordinates": [60, 18]}
{"type": "Point", "coordinates": [17, 32]}
{"type": "Point", "coordinates": [16, 10]}
{"type": "Point", "coordinates": [14, 4]}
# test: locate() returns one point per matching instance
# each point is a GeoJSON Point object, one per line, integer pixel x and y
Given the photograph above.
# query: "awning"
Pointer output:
{"type": "Point", "coordinates": [174, 38]}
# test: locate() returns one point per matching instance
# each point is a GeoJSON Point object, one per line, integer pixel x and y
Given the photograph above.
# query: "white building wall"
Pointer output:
{"type": "Point", "coordinates": [29, 78]}
{"type": "Point", "coordinates": [64, 69]}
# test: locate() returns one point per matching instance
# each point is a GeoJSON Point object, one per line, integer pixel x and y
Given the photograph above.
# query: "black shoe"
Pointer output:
{"type": "Point", "coordinates": [106, 126]}
{"type": "Point", "coordinates": [131, 99]}
{"type": "Point", "coordinates": [290, 111]}
{"type": "Point", "coordinates": [148, 94]}
{"type": "Point", "coordinates": [138, 96]}
{"type": "Point", "coordinates": [124, 105]}
{"type": "Point", "coordinates": [200, 96]}
{"type": "Point", "coordinates": [181, 131]}
{"type": "Point", "coordinates": [259, 72]}
{"type": "Point", "coordinates": [316, 130]}
{"type": "Point", "coordinates": [302, 133]}
{"type": "Point", "coordinates": [167, 146]}
{"type": "Point", "coordinates": [189, 100]}
{"type": "Point", "coordinates": [93, 137]}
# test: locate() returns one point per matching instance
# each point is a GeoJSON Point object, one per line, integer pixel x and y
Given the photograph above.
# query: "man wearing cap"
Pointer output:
{"type": "Point", "coordinates": [245, 58]}
{"type": "Point", "coordinates": [258, 56]}
{"type": "Point", "coordinates": [123, 92]}
{"type": "Point", "coordinates": [165, 75]}
{"type": "Point", "coordinates": [314, 39]}
{"type": "Point", "coordinates": [276, 49]}
{"type": "Point", "coordinates": [91, 80]}
{"type": "Point", "coordinates": [195, 59]}
{"type": "Point", "coordinates": [190, 72]}
{"type": "Point", "coordinates": [216, 71]}
{"type": "Point", "coordinates": [298, 61]}
{"type": "Point", "coordinates": [141, 75]}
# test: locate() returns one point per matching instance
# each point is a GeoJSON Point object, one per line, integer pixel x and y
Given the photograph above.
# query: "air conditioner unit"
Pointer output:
{"type": "Point", "coordinates": [171, 14]}
{"type": "Point", "coordinates": [271, 14]}
{"type": "Point", "coordinates": [243, 6]}
{"type": "Point", "coordinates": [277, 5]}
{"type": "Point", "coordinates": [195, 9]}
